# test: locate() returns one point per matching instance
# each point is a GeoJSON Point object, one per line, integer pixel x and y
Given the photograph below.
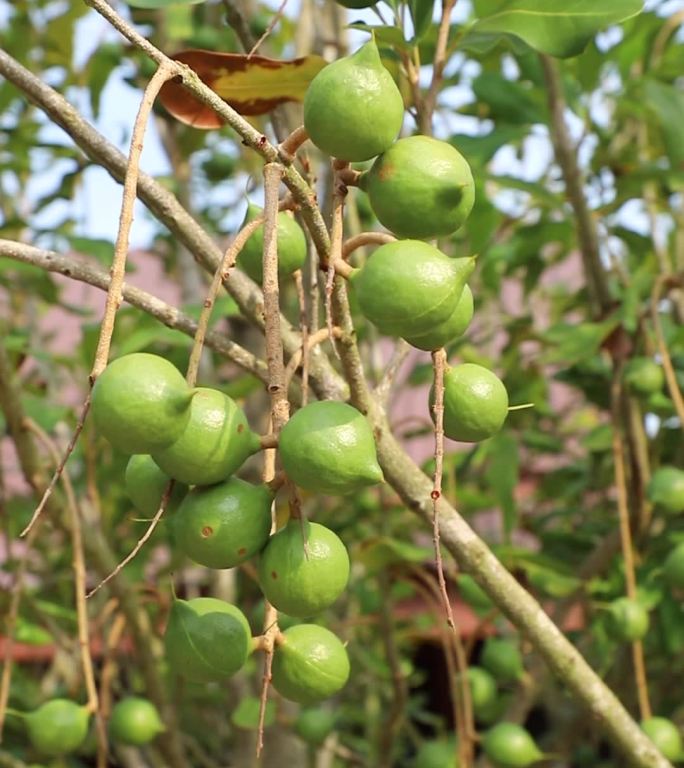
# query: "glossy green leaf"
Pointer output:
{"type": "Point", "coordinates": [421, 15]}
{"type": "Point", "coordinates": [560, 28]}
{"type": "Point", "coordinates": [667, 103]}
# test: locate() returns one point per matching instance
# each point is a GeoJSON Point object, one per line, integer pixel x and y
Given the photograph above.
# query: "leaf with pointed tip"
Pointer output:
{"type": "Point", "coordinates": [560, 28]}
{"type": "Point", "coordinates": [251, 85]}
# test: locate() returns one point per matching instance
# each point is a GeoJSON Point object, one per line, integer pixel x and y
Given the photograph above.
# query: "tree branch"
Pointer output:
{"type": "Point", "coordinates": [170, 316]}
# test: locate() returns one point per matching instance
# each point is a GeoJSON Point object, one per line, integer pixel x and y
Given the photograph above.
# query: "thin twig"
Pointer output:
{"type": "Point", "coordinates": [438, 64]}
{"type": "Point", "coordinates": [336, 235]}
{"type": "Point", "coordinates": [118, 269]}
{"type": "Point", "coordinates": [271, 25]}
{"type": "Point", "coordinates": [626, 540]}
{"type": "Point", "coordinates": [300, 357]}
{"type": "Point", "coordinates": [85, 408]}
{"type": "Point", "coordinates": [141, 542]}
{"type": "Point", "coordinates": [439, 363]}
{"type": "Point", "coordinates": [78, 565]}
{"type": "Point", "coordinates": [221, 274]}
{"type": "Point", "coordinates": [668, 368]}
{"type": "Point", "coordinates": [365, 238]}
{"type": "Point", "coordinates": [304, 330]}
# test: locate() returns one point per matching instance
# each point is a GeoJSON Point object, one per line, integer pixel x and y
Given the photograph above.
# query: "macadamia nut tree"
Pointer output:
{"type": "Point", "coordinates": [379, 396]}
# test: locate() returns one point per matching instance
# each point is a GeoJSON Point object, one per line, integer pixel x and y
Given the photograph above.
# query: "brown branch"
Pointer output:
{"type": "Point", "coordinates": [566, 157]}
{"type": "Point", "coordinates": [438, 64]}
{"type": "Point", "coordinates": [267, 32]}
{"type": "Point", "coordinates": [92, 274]}
{"type": "Point", "coordinates": [166, 207]}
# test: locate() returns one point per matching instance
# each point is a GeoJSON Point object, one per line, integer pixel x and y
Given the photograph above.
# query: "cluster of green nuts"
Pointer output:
{"type": "Point", "coordinates": [199, 437]}
{"type": "Point", "coordinates": [61, 726]}
{"type": "Point", "coordinates": [419, 188]}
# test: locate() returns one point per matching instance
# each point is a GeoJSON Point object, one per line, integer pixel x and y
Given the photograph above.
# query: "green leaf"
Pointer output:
{"type": "Point", "coordinates": [572, 343]}
{"type": "Point", "coordinates": [560, 28]}
{"type": "Point", "coordinates": [481, 149]}
{"type": "Point", "coordinates": [502, 475]}
{"type": "Point", "coordinates": [384, 33]}
{"type": "Point", "coordinates": [384, 552]}
{"type": "Point", "coordinates": [506, 101]}
{"type": "Point", "coordinates": [421, 15]}
{"type": "Point", "coordinates": [161, 3]}
{"type": "Point", "coordinates": [667, 104]}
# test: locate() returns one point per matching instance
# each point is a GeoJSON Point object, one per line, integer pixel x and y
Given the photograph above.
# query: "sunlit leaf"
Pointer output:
{"type": "Point", "coordinates": [558, 27]}
{"type": "Point", "coordinates": [250, 85]}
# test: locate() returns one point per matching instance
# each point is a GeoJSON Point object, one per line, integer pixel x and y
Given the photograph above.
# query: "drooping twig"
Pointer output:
{"type": "Point", "coordinates": [221, 275]}
{"type": "Point", "coordinates": [117, 271]}
{"type": "Point", "coordinates": [668, 368]}
{"type": "Point", "coordinates": [438, 364]}
{"type": "Point", "coordinates": [300, 356]}
{"type": "Point", "coordinates": [626, 539]}
{"type": "Point", "coordinates": [78, 565]}
{"type": "Point", "coordinates": [141, 541]}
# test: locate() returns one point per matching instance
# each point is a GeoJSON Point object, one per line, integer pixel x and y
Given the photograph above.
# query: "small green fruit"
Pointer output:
{"type": "Point", "coordinates": [223, 525]}
{"type": "Point", "coordinates": [475, 403]}
{"type": "Point", "coordinates": [453, 327]}
{"type": "Point", "coordinates": [437, 753]}
{"type": "Point", "coordinates": [627, 620]}
{"type": "Point", "coordinates": [503, 659]}
{"type": "Point", "coordinates": [141, 403]}
{"type": "Point", "coordinates": [665, 735]}
{"type": "Point", "coordinates": [135, 721]}
{"type": "Point", "coordinates": [215, 443]}
{"type": "Point", "coordinates": [145, 484]}
{"type": "Point", "coordinates": [57, 727]}
{"type": "Point", "coordinates": [673, 569]}
{"type": "Point", "coordinates": [206, 639]}
{"type": "Point", "coordinates": [644, 376]}
{"type": "Point", "coordinates": [666, 489]}
{"type": "Point", "coordinates": [408, 287]}
{"type": "Point", "coordinates": [292, 248]}
{"type": "Point", "coordinates": [303, 581]}
{"type": "Point", "coordinates": [510, 746]}
{"type": "Point", "coordinates": [353, 109]}
{"type": "Point", "coordinates": [328, 447]}
{"type": "Point", "coordinates": [310, 664]}
{"type": "Point", "coordinates": [314, 725]}
{"type": "Point", "coordinates": [421, 188]}
{"type": "Point", "coordinates": [483, 689]}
